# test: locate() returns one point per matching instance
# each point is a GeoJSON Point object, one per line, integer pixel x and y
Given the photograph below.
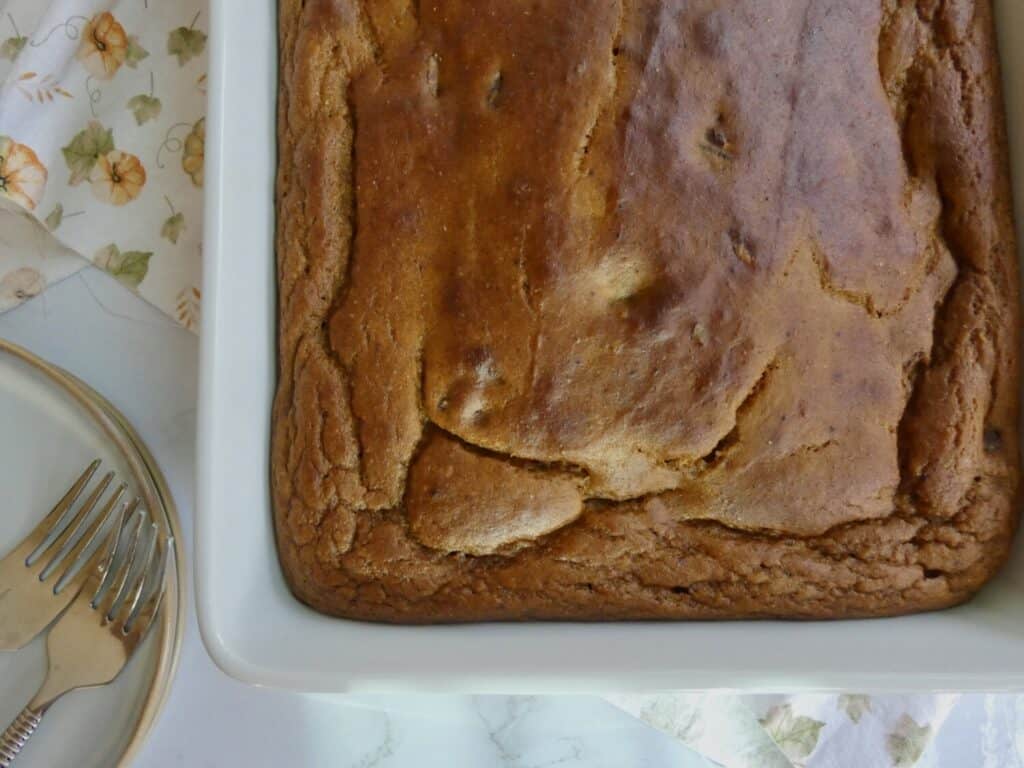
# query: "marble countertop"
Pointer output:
{"type": "Point", "coordinates": [147, 367]}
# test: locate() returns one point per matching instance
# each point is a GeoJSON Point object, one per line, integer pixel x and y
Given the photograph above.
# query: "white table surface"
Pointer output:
{"type": "Point", "coordinates": [147, 367]}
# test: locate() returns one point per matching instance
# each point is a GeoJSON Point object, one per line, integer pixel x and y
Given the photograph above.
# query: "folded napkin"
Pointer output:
{"type": "Point", "coordinates": [102, 134]}
{"type": "Point", "coordinates": [808, 731]}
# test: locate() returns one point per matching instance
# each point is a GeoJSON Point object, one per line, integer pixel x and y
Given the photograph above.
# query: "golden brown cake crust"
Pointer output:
{"type": "Point", "coordinates": [642, 309]}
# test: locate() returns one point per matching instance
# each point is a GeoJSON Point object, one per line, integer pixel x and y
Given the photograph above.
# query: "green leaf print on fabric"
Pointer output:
{"type": "Point", "coordinates": [85, 149]}
{"type": "Point", "coordinates": [129, 267]}
{"type": "Point", "coordinates": [135, 52]}
{"type": "Point", "coordinates": [173, 227]}
{"type": "Point", "coordinates": [855, 705]}
{"type": "Point", "coordinates": [145, 108]}
{"type": "Point", "coordinates": [795, 735]}
{"type": "Point", "coordinates": [55, 217]}
{"type": "Point", "coordinates": [185, 43]}
{"type": "Point", "coordinates": [907, 742]}
{"type": "Point", "coordinates": [11, 47]}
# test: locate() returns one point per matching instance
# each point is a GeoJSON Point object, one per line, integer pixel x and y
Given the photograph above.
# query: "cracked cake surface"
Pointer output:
{"type": "Point", "coordinates": [642, 308]}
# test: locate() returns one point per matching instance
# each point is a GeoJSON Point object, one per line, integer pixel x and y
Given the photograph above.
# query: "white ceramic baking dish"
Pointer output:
{"type": "Point", "coordinates": [257, 632]}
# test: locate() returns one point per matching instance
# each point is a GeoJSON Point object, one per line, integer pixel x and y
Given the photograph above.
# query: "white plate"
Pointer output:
{"type": "Point", "coordinates": [257, 632]}
{"type": "Point", "coordinates": [46, 439]}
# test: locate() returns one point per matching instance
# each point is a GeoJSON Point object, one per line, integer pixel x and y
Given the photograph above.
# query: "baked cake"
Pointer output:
{"type": "Point", "coordinates": [642, 309]}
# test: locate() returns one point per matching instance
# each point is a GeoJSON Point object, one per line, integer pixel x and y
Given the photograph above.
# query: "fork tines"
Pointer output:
{"type": "Point", "coordinates": [132, 583]}
{"type": "Point", "coordinates": [68, 534]}
{"type": "Point", "coordinates": [42, 575]}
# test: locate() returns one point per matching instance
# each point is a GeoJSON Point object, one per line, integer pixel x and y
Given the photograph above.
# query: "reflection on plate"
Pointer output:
{"type": "Point", "coordinates": [52, 426]}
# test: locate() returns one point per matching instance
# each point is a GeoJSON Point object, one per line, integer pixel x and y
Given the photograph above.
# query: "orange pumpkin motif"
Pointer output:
{"type": "Point", "coordinates": [194, 152]}
{"type": "Point", "coordinates": [104, 46]}
{"type": "Point", "coordinates": [22, 176]}
{"type": "Point", "coordinates": [117, 178]}
{"type": "Point", "coordinates": [19, 285]}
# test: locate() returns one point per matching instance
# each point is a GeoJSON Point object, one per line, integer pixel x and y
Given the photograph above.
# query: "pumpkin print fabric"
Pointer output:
{"type": "Point", "coordinates": [194, 154]}
{"type": "Point", "coordinates": [104, 46]}
{"type": "Point", "coordinates": [814, 730]}
{"type": "Point", "coordinates": [102, 143]}
{"type": "Point", "coordinates": [117, 178]}
{"type": "Point", "coordinates": [22, 175]}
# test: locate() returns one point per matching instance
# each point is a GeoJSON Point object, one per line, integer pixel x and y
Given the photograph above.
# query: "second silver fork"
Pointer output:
{"type": "Point", "coordinates": [95, 638]}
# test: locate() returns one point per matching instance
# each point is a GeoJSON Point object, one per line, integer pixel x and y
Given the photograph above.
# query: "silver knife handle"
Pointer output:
{"type": "Point", "coordinates": [17, 735]}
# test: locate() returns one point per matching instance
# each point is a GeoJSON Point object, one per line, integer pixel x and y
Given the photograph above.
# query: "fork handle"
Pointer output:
{"type": "Point", "coordinates": [17, 734]}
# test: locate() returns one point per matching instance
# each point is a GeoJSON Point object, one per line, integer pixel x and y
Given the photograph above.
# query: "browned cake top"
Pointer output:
{"type": "Point", "coordinates": [689, 259]}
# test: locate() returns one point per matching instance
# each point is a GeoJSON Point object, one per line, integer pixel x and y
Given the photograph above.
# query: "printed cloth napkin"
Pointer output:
{"type": "Point", "coordinates": [821, 731]}
{"type": "Point", "coordinates": [102, 137]}
{"type": "Point", "coordinates": [102, 134]}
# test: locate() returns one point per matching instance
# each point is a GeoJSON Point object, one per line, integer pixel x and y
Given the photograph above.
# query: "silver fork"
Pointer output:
{"type": "Point", "coordinates": [94, 639]}
{"type": "Point", "coordinates": [34, 589]}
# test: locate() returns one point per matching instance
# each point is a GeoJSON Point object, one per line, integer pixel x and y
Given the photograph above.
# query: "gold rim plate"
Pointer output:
{"type": "Point", "coordinates": [146, 480]}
